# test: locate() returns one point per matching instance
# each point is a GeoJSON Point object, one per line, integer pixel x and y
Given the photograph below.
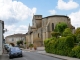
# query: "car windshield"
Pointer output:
{"type": "Point", "coordinates": [14, 49]}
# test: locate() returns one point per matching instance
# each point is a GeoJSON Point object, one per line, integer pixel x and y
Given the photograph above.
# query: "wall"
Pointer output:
{"type": "Point", "coordinates": [14, 40]}
{"type": "Point", "coordinates": [43, 27]}
{"type": "Point", "coordinates": [37, 38]}
{"type": "Point", "coordinates": [47, 24]}
{"type": "Point", "coordinates": [1, 34]}
{"type": "Point", "coordinates": [56, 20]}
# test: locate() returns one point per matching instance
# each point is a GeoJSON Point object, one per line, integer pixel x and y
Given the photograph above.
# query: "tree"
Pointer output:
{"type": "Point", "coordinates": [67, 32]}
{"type": "Point", "coordinates": [77, 31]}
{"type": "Point", "coordinates": [25, 43]}
{"type": "Point", "coordinates": [31, 46]}
{"type": "Point", "coordinates": [19, 42]}
{"type": "Point", "coordinates": [12, 44]}
{"type": "Point", "coordinates": [55, 34]}
{"type": "Point", "coordinates": [78, 38]}
{"type": "Point", "coordinates": [60, 27]}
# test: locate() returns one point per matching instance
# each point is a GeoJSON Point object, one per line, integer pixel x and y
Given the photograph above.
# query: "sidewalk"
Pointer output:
{"type": "Point", "coordinates": [41, 50]}
{"type": "Point", "coordinates": [4, 57]}
{"type": "Point", "coordinates": [58, 56]}
{"type": "Point", "coordinates": [38, 49]}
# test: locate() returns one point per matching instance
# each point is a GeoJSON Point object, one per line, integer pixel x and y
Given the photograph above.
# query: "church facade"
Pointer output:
{"type": "Point", "coordinates": [42, 27]}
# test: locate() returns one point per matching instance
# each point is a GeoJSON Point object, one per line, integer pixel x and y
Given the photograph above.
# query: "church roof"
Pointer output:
{"type": "Point", "coordinates": [56, 16]}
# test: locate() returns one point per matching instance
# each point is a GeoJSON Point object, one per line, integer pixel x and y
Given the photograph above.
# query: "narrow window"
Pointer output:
{"type": "Point", "coordinates": [52, 26]}
{"type": "Point", "coordinates": [38, 35]}
{"type": "Point", "coordinates": [12, 39]}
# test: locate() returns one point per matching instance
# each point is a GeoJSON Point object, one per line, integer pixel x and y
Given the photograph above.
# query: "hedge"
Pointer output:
{"type": "Point", "coordinates": [61, 46]}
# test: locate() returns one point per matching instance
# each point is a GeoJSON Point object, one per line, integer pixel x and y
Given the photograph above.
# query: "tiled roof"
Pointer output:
{"type": "Point", "coordinates": [17, 35]}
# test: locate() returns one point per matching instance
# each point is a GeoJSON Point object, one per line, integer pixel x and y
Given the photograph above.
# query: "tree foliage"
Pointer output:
{"type": "Point", "coordinates": [60, 27]}
{"type": "Point", "coordinates": [78, 38]}
{"type": "Point", "coordinates": [55, 34]}
{"type": "Point", "coordinates": [77, 31]}
{"type": "Point", "coordinates": [19, 42]}
{"type": "Point", "coordinates": [67, 32]}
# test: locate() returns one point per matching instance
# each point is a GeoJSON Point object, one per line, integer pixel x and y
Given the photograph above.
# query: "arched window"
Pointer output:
{"type": "Point", "coordinates": [52, 26]}
{"type": "Point", "coordinates": [38, 35]}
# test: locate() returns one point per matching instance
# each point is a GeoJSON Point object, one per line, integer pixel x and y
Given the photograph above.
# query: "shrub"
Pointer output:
{"type": "Point", "coordinates": [74, 37]}
{"type": "Point", "coordinates": [60, 27]}
{"type": "Point", "coordinates": [49, 44]}
{"type": "Point", "coordinates": [78, 38]}
{"type": "Point", "coordinates": [76, 51]}
{"type": "Point", "coordinates": [55, 34]}
{"type": "Point", "coordinates": [61, 46]}
{"type": "Point", "coordinates": [69, 42]}
{"type": "Point", "coordinates": [31, 45]}
{"type": "Point", "coordinates": [67, 32]}
{"type": "Point", "coordinates": [65, 44]}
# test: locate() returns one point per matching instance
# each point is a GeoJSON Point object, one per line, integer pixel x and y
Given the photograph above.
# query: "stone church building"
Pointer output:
{"type": "Point", "coordinates": [42, 27]}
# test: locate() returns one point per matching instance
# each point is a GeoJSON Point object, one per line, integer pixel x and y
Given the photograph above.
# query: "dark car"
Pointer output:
{"type": "Point", "coordinates": [15, 52]}
{"type": "Point", "coordinates": [7, 47]}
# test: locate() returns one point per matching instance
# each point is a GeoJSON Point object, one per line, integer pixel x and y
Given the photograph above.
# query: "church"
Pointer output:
{"type": "Point", "coordinates": [43, 26]}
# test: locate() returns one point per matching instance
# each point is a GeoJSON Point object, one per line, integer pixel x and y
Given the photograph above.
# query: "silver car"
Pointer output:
{"type": "Point", "coordinates": [15, 52]}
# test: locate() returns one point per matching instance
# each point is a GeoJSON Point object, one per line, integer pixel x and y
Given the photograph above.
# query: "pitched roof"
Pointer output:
{"type": "Point", "coordinates": [17, 35]}
{"type": "Point", "coordinates": [56, 16]}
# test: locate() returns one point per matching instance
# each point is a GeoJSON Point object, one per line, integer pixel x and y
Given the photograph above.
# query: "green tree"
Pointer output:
{"type": "Point", "coordinates": [77, 31]}
{"type": "Point", "coordinates": [78, 38]}
{"type": "Point", "coordinates": [60, 27]}
{"type": "Point", "coordinates": [25, 43]}
{"type": "Point", "coordinates": [19, 42]}
{"type": "Point", "coordinates": [31, 46]}
{"type": "Point", "coordinates": [67, 32]}
{"type": "Point", "coordinates": [55, 34]}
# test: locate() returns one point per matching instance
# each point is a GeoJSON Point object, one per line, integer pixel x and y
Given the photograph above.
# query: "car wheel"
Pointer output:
{"type": "Point", "coordinates": [10, 57]}
{"type": "Point", "coordinates": [21, 55]}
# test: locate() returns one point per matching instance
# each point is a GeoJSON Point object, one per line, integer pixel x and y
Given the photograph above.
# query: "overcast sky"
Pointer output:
{"type": "Point", "coordinates": [17, 14]}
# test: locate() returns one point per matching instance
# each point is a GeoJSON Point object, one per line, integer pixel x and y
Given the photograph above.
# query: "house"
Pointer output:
{"type": "Point", "coordinates": [14, 38]}
{"type": "Point", "coordinates": [43, 26]}
{"type": "Point", "coordinates": [1, 36]}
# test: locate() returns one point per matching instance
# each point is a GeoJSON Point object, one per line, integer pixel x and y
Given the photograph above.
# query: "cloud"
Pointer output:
{"type": "Point", "coordinates": [75, 18]}
{"type": "Point", "coordinates": [12, 29]}
{"type": "Point", "coordinates": [67, 5]}
{"type": "Point", "coordinates": [52, 12]}
{"type": "Point", "coordinates": [12, 11]}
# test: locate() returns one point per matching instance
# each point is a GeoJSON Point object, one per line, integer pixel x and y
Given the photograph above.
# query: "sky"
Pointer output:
{"type": "Point", "coordinates": [17, 14]}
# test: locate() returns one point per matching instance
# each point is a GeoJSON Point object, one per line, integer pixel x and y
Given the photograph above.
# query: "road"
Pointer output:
{"type": "Point", "coordinates": [31, 56]}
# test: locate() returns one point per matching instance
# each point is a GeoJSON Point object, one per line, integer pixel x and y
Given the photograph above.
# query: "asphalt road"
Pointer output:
{"type": "Point", "coordinates": [31, 56]}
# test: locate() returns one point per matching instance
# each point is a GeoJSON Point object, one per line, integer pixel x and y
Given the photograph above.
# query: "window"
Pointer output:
{"type": "Point", "coordinates": [38, 35]}
{"type": "Point", "coordinates": [12, 39]}
{"type": "Point", "coordinates": [52, 26]}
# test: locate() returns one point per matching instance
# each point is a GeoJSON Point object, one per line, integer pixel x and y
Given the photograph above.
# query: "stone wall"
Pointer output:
{"type": "Point", "coordinates": [43, 27]}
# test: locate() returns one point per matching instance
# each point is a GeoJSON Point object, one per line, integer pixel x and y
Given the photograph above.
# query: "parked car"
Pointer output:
{"type": "Point", "coordinates": [15, 52]}
{"type": "Point", "coordinates": [7, 47]}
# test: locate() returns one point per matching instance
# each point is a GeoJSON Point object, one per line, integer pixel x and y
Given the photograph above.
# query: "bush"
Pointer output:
{"type": "Point", "coordinates": [55, 34]}
{"type": "Point", "coordinates": [69, 42]}
{"type": "Point", "coordinates": [76, 51]}
{"type": "Point", "coordinates": [49, 44]}
{"type": "Point", "coordinates": [74, 37]}
{"type": "Point", "coordinates": [59, 46]}
{"type": "Point", "coordinates": [30, 45]}
{"type": "Point", "coordinates": [65, 44]}
{"type": "Point", "coordinates": [78, 38]}
{"type": "Point", "coordinates": [67, 32]}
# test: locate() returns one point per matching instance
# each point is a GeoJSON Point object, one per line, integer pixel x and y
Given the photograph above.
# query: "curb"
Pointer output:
{"type": "Point", "coordinates": [52, 56]}
{"type": "Point", "coordinates": [60, 57]}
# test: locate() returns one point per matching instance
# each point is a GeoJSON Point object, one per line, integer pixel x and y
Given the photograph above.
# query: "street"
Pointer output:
{"type": "Point", "coordinates": [30, 56]}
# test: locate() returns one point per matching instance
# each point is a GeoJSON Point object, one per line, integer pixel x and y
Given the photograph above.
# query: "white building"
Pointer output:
{"type": "Point", "coordinates": [1, 36]}
{"type": "Point", "coordinates": [14, 38]}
